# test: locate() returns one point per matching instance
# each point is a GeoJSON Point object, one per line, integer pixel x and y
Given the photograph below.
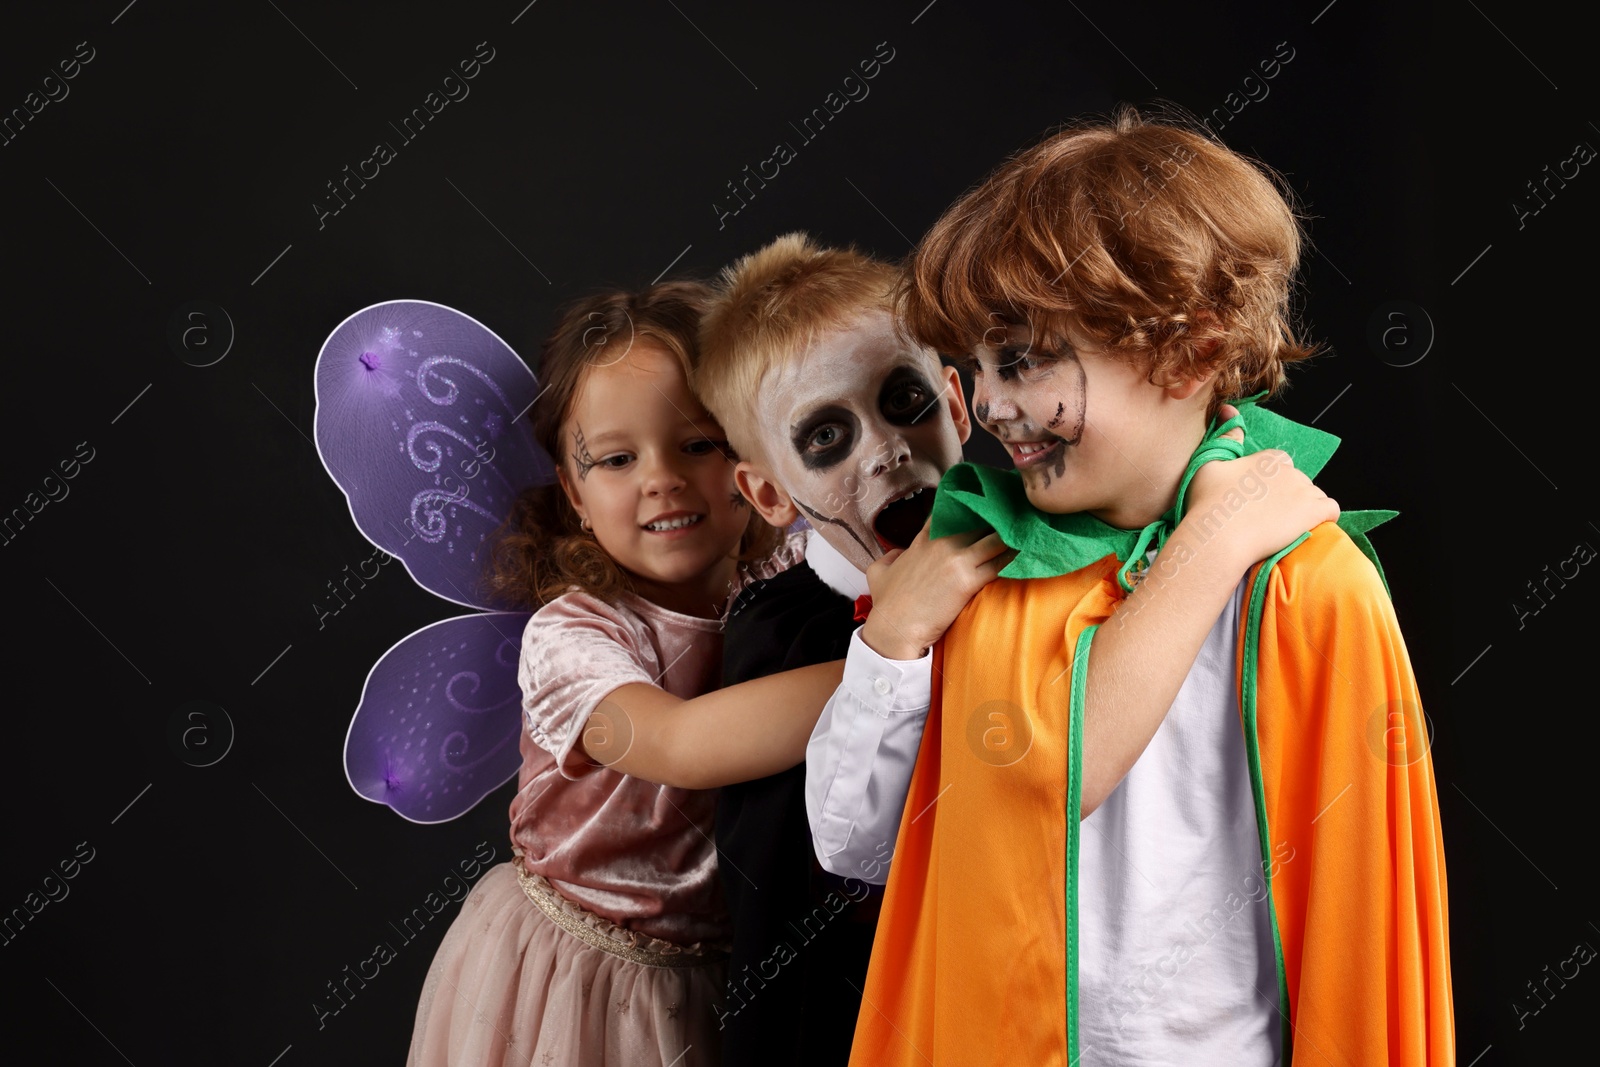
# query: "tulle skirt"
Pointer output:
{"type": "Point", "coordinates": [517, 981]}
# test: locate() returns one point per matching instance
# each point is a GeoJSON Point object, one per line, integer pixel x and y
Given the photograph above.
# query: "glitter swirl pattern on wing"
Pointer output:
{"type": "Point", "coordinates": [457, 744]}
{"type": "Point", "coordinates": [424, 372]}
{"type": "Point", "coordinates": [436, 454]}
{"type": "Point", "coordinates": [430, 505]}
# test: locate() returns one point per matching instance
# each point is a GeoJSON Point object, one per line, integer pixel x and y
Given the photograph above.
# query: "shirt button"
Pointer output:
{"type": "Point", "coordinates": [881, 686]}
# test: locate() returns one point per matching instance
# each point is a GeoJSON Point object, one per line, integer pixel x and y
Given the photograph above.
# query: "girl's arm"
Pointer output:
{"type": "Point", "coordinates": [743, 731]}
{"type": "Point", "coordinates": [1145, 650]}
{"type": "Point", "coordinates": [761, 727]}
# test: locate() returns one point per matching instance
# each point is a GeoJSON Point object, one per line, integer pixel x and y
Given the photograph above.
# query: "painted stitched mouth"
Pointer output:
{"type": "Point", "coordinates": [897, 525]}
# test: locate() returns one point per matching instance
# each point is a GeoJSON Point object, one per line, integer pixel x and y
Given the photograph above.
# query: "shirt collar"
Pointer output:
{"type": "Point", "coordinates": [829, 564]}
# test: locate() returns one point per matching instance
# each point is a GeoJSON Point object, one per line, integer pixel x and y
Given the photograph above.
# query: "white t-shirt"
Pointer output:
{"type": "Point", "coordinates": [1176, 962]}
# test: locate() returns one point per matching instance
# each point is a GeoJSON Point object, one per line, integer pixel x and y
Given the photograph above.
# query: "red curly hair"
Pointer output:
{"type": "Point", "coordinates": [1153, 239]}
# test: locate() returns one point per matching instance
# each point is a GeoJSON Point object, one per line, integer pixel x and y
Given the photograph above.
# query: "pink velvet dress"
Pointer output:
{"type": "Point", "coordinates": [603, 942]}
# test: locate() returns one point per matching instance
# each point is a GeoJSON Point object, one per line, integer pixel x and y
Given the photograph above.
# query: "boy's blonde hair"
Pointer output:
{"type": "Point", "coordinates": [770, 307]}
{"type": "Point", "coordinates": [1152, 239]}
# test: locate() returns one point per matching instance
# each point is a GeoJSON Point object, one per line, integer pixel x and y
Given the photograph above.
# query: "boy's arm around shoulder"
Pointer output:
{"type": "Point", "coordinates": [1350, 805]}
{"type": "Point", "coordinates": [1241, 511]}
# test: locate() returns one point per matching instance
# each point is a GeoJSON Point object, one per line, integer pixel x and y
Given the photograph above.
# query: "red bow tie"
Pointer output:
{"type": "Point", "coordinates": [863, 607]}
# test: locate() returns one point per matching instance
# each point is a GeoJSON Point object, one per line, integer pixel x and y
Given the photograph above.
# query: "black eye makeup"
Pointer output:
{"type": "Point", "coordinates": [1018, 360]}
{"type": "Point", "coordinates": [907, 397]}
{"type": "Point", "coordinates": [825, 437]}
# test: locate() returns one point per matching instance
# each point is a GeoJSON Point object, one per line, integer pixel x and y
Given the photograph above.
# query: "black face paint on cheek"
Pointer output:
{"type": "Point", "coordinates": [813, 513]}
{"type": "Point", "coordinates": [1058, 468]}
{"type": "Point", "coordinates": [739, 501]}
{"type": "Point", "coordinates": [1075, 430]}
{"type": "Point", "coordinates": [982, 411]}
{"type": "Point", "coordinates": [581, 455]}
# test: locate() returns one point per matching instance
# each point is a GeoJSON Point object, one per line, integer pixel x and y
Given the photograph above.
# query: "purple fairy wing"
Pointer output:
{"type": "Point", "coordinates": [440, 717]}
{"type": "Point", "coordinates": [420, 421]}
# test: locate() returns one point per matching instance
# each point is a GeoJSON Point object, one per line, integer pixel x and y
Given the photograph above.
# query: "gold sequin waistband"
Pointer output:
{"type": "Point", "coordinates": [607, 936]}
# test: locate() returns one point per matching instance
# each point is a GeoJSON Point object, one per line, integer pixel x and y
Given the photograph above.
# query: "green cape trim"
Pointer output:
{"type": "Point", "coordinates": [1076, 702]}
{"type": "Point", "coordinates": [1249, 681]}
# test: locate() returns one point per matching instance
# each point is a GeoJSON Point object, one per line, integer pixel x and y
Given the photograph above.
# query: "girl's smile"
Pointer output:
{"type": "Point", "coordinates": [649, 472]}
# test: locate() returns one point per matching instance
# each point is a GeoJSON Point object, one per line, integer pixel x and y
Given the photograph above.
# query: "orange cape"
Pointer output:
{"type": "Point", "coordinates": [975, 960]}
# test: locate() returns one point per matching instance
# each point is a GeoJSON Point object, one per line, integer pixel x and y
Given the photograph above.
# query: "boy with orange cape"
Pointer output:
{"type": "Point", "coordinates": [1267, 884]}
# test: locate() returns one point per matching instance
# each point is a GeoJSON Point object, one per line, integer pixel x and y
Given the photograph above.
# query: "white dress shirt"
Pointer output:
{"type": "Point", "coordinates": [860, 757]}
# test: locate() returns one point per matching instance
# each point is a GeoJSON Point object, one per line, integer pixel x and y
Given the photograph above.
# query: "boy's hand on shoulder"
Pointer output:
{"type": "Point", "coordinates": [1255, 505]}
{"type": "Point", "coordinates": [918, 591]}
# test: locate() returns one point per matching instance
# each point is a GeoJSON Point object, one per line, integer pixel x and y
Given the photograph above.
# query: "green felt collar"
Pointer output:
{"type": "Point", "coordinates": [972, 497]}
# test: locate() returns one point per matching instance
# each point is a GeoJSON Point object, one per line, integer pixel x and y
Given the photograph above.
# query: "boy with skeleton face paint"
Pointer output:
{"type": "Point", "coordinates": [860, 432]}
{"type": "Point", "coordinates": [839, 419]}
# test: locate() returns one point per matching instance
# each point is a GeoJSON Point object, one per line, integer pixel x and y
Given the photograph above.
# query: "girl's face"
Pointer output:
{"type": "Point", "coordinates": [1088, 431]}
{"type": "Point", "coordinates": [649, 469]}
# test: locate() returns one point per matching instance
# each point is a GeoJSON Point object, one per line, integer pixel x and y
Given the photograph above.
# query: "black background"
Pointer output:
{"type": "Point", "coordinates": [184, 165]}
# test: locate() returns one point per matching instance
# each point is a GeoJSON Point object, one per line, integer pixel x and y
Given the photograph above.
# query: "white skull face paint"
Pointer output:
{"type": "Point", "coordinates": [858, 431]}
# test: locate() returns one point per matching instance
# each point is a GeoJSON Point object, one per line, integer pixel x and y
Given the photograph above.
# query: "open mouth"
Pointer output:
{"type": "Point", "coordinates": [897, 524]}
{"type": "Point", "coordinates": [1027, 454]}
